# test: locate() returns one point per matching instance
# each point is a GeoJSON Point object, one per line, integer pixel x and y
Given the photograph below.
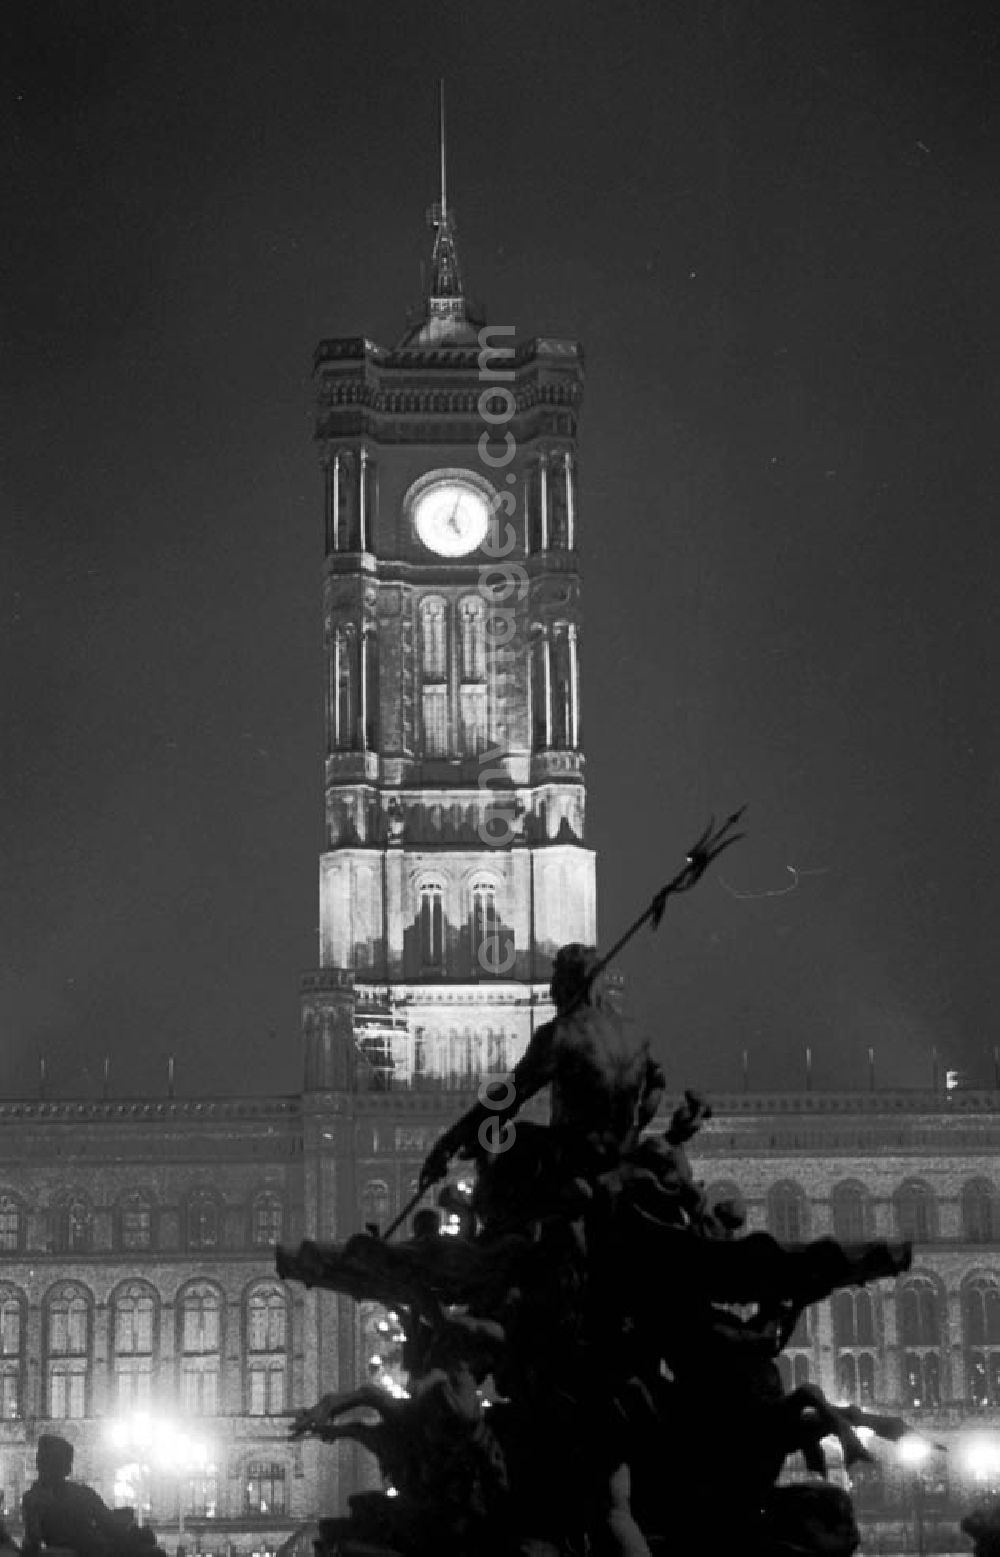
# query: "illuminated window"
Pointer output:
{"type": "Point", "coordinates": [200, 1326]}
{"type": "Point", "coordinates": [486, 958]}
{"type": "Point", "coordinates": [11, 1352]}
{"type": "Point", "coordinates": [919, 1312]}
{"type": "Point", "coordinates": [432, 924]}
{"type": "Point", "coordinates": [794, 1370]}
{"type": "Point", "coordinates": [266, 1219]}
{"type": "Point", "coordinates": [201, 1496]}
{"type": "Point", "coordinates": [72, 1225]}
{"type": "Point", "coordinates": [265, 1488]}
{"type": "Point", "coordinates": [266, 1350]}
{"type": "Point", "coordinates": [434, 677]}
{"type": "Point", "coordinates": [67, 1351]}
{"type": "Point", "coordinates": [133, 1326]}
{"type": "Point", "coordinates": [981, 1336]}
{"type": "Point", "coordinates": [853, 1316]}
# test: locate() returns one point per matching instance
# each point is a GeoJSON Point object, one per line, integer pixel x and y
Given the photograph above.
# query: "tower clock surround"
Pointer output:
{"type": "Point", "coordinates": [450, 511]}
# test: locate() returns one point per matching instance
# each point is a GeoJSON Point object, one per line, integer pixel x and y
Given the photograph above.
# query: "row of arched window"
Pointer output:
{"type": "Point", "coordinates": [71, 1222]}
{"type": "Point", "coordinates": [135, 1347]}
{"type": "Point", "coordinates": [488, 956]}
{"type": "Point", "coordinates": [914, 1208]}
{"type": "Point", "coordinates": [922, 1339]}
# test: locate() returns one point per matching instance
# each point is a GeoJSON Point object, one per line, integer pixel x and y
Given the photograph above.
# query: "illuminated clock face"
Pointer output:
{"type": "Point", "coordinates": [451, 518]}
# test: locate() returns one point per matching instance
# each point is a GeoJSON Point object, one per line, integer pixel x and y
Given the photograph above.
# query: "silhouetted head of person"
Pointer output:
{"type": "Point", "coordinates": [572, 976]}
{"type": "Point", "coordinates": [426, 1224]}
{"type": "Point", "coordinates": [54, 1457]}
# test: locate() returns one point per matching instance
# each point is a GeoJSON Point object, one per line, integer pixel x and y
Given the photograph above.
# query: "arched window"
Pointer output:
{"type": "Point", "coordinates": [12, 1339]}
{"type": "Point", "coordinates": [72, 1219]}
{"type": "Point", "coordinates": [11, 1224]}
{"type": "Point", "coordinates": [541, 690]}
{"type": "Point", "coordinates": [914, 1206]}
{"type": "Point", "coordinates": [472, 694]}
{"type": "Point", "coordinates": [787, 1213]}
{"type": "Point", "coordinates": [563, 687]}
{"type": "Point", "coordinates": [485, 925]}
{"type": "Point", "coordinates": [266, 1220]}
{"type": "Point", "coordinates": [203, 1219]}
{"type": "Point", "coordinates": [794, 1370]}
{"type": "Point", "coordinates": [472, 617]}
{"type": "Point", "coordinates": [199, 1323]}
{"type": "Point", "coordinates": [853, 1318]}
{"type": "Point", "coordinates": [133, 1334]}
{"type": "Point", "coordinates": [919, 1313]}
{"type": "Point", "coordinates": [266, 1355]}
{"type": "Point", "coordinates": [265, 1489]}
{"type": "Point", "coordinates": [375, 1201]}
{"type": "Point", "coordinates": [432, 924]}
{"type": "Point", "coordinates": [981, 1337]}
{"type": "Point", "coordinates": [434, 676]}
{"type": "Point", "coordinates": [853, 1315]}
{"type": "Point", "coordinates": [849, 1206]}
{"type": "Point", "coordinates": [979, 1220]}
{"type": "Point", "coordinates": [67, 1351]}
{"type": "Point", "coordinates": [135, 1221]}
{"type": "Point", "coordinates": [534, 498]}
{"type": "Point", "coordinates": [856, 1378]}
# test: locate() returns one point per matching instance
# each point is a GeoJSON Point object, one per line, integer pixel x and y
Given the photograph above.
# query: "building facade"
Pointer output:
{"type": "Point", "coordinates": [139, 1311]}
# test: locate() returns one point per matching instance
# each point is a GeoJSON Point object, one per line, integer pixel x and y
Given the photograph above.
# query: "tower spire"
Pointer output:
{"type": "Point", "coordinates": [446, 275]}
{"type": "Point", "coordinates": [444, 153]}
{"type": "Point", "coordinates": [446, 314]}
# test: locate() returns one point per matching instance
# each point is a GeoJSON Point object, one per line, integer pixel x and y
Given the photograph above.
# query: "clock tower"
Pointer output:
{"type": "Point", "coordinates": [454, 863]}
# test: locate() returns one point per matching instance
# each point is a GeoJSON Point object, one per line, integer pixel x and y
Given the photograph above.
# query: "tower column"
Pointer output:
{"type": "Point", "coordinates": [543, 497]}
{"type": "Point", "coordinates": [570, 504]}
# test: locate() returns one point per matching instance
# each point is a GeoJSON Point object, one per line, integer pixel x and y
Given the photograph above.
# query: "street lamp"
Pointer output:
{"type": "Point", "coordinates": [914, 1452]}
{"type": "Point", "coordinates": [157, 1443]}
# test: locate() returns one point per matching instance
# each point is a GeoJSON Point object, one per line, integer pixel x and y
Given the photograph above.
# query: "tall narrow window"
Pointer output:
{"type": "Point", "coordinates": [203, 1219]}
{"type": "Point", "coordinates": [485, 928]}
{"type": "Point", "coordinates": [850, 1220]}
{"type": "Point", "coordinates": [266, 1350]}
{"type": "Point", "coordinates": [10, 1224]}
{"type": "Point", "coordinates": [979, 1219]}
{"type": "Point", "coordinates": [787, 1213]}
{"type": "Point", "coordinates": [434, 676]}
{"type": "Point", "coordinates": [558, 505]}
{"type": "Point", "coordinates": [371, 687]}
{"type": "Point", "coordinates": [11, 1351]}
{"type": "Point", "coordinates": [920, 1337]}
{"type": "Point", "coordinates": [135, 1222]}
{"type": "Point", "coordinates": [200, 1326]}
{"type": "Point", "coordinates": [981, 1337]}
{"type": "Point", "coordinates": [533, 507]}
{"type": "Point", "coordinates": [67, 1351]}
{"type": "Point", "coordinates": [133, 1326]}
{"type": "Point", "coordinates": [345, 687]}
{"type": "Point", "coordinates": [266, 1218]}
{"type": "Point", "coordinates": [914, 1205]}
{"type": "Point", "coordinates": [562, 692]}
{"type": "Point", "coordinates": [432, 924]}
{"type": "Point", "coordinates": [472, 695]}
{"type": "Point", "coordinates": [347, 508]}
{"type": "Point", "coordinates": [854, 1340]}
{"type": "Point", "coordinates": [541, 692]}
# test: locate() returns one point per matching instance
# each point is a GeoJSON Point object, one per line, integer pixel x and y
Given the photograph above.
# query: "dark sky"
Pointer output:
{"type": "Point", "coordinates": [773, 224]}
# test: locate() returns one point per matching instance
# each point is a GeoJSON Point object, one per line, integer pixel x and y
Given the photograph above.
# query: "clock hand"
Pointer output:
{"type": "Point", "coordinates": [453, 518]}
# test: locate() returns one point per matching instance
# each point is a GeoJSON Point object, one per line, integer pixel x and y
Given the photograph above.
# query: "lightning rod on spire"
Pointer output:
{"type": "Point", "coordinates": [444, 162]}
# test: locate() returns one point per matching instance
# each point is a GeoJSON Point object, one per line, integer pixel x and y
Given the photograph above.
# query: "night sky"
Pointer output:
{"type": "Point", "coordinates": [773, 224]}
